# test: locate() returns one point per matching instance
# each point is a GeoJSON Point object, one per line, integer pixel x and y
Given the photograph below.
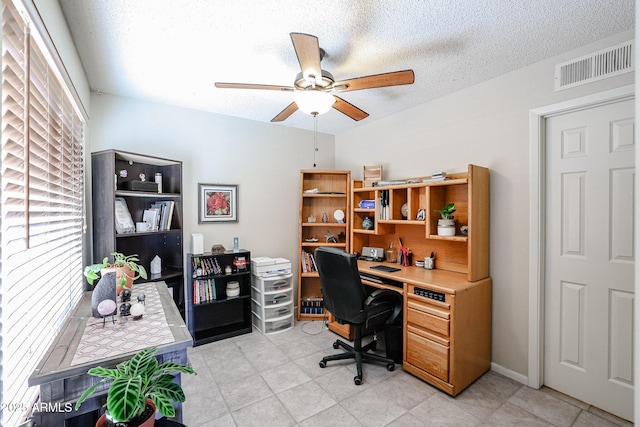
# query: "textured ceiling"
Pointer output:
{"type": "Point", "coordinates": [172, 51]}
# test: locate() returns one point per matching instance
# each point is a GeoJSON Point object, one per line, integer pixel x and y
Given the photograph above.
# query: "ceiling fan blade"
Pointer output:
{"type": "Point", "coordinates": [308, 52]}
{"type": "Point", "coordinates": [349, 109]}
{"type": "Point", "coordinates": [284, 114]}
{"type": "Point", "coordinates": [252, 86]}
{"type": "Point", "coordinates": [396, 78]}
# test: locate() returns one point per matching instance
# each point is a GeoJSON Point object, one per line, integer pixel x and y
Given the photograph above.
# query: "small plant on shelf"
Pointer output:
{"type": "Point", "coordinates": [126, 267]}
{"type": "Point", "coordinates": [136, 383]}
{"type": "Point", "coordinates": [447, 211]}
{"type": "Point", "coordinates": [446, 223]}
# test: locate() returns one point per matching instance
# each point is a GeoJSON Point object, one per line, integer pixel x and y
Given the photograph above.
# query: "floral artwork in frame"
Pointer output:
{"type": "Point", "coordinates": [217, 203]}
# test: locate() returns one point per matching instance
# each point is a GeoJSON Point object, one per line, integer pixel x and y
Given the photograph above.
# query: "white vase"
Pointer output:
{"type": "Point", "coordinates": [446, 227]}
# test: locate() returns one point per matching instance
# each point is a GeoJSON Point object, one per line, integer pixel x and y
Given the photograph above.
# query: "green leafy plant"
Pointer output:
{"type": "Point", "coordinates": [447, 211]}
{"type": "Point", "coordinates": [134, 381]}
{"type": "Point", "coordinates": [91, 272]}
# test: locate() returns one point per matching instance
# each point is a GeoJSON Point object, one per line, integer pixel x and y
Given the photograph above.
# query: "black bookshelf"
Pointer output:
{"type": "Point", "coordinates": [210, 313]}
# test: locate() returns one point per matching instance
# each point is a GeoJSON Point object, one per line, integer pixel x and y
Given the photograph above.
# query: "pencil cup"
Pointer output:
{"type": "Point", "coordinates": [429, 263]}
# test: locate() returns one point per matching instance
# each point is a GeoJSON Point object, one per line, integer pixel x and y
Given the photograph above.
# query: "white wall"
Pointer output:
{"type": "Point", "coordinates": [487, 125]}
{"type": "Point", "coordinates": [262, 158]}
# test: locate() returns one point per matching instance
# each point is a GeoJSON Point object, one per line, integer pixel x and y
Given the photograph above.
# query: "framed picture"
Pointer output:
{"type": "Point", "coordinates": [217, 203]}
{"type": "Point", "coordinates": [124, 222]}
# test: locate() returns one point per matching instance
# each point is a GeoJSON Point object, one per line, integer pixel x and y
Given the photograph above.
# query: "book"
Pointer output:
{"type": "Point", "coordinates": [151, 216]}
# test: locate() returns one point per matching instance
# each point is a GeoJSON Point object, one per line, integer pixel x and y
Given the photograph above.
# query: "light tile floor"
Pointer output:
{"type": "Point", "coordinates": [275, 380]}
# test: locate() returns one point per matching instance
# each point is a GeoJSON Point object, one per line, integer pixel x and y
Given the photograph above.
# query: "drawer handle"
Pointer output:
{"type": "Point", "coordinates": [278, 298]}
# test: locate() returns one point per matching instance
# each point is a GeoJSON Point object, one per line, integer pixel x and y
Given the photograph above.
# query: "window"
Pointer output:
{"type": "Point", "coordinates": [42, 214]}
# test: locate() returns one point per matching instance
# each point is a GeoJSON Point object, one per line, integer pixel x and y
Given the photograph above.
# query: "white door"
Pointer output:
{"type": "Point", "coordinates": [589, 261]}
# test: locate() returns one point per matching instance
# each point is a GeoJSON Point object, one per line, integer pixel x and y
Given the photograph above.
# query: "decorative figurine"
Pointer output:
{"type": "Point", "coordinates": [125, 309]}
{"type": "Point", "coordinates": [125, 295]}
{"type": "Point", "coordinates": [311, 218]}
{"type": "Point", "coordinates": [325, 218]}
{"type": "Point", "coordinates": [367, 223]}
{"type": "Point", "coordinates": [104, 290]}
{"type": "Point", "coordinates": [141, 298]}
{"type": "Point", "coordinates": [137, 310]}
{"type": "Point", "coordinates": [330, 237]}
{"type": "Point", "coordinates": [106, 308]}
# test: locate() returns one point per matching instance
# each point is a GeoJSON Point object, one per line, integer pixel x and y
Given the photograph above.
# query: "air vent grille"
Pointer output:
{"type": "Point", "coordinates": [596, 66]}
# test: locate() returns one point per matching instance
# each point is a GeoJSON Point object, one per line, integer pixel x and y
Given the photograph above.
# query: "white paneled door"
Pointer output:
{"type": "Point", "coordinates": [589, 263]}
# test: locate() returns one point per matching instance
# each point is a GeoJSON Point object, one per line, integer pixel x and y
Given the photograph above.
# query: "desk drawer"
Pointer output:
{"type": "Point", "coordinates": [428, 356]}
{"type": "Point", "coordinates": [426, 318]}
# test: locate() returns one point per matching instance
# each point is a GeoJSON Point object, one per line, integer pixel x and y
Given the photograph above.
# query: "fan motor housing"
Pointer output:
{"type": "Point", "coordinates": [325, 81]}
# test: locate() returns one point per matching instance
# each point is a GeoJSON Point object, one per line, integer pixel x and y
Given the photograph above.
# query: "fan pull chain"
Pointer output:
{"type": "Point", "coordinates": [315, 138]}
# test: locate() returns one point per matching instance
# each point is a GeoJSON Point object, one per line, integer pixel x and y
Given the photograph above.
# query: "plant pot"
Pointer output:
{"type": "Point", "coordinates": [120, 273]}
{"type": "Point", "coordinates": [446, 227]}
{"type": "Point", "coordinates": [148, 422]}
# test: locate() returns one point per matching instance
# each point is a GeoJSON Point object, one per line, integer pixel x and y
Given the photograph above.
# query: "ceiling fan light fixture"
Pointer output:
{"type": "Point", "coordinates": [314, 102]}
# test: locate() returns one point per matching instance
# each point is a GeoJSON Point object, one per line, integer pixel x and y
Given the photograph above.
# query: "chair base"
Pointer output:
{"type": "Point", "coordinates": [359, 353]}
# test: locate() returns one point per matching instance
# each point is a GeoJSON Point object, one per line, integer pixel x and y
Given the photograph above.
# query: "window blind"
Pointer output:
{"type": "Point", "coordinates": [42, 214]}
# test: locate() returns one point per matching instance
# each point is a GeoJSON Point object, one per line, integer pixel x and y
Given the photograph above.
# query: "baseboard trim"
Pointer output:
{"type": "Point", "coordinates": [523, 379]}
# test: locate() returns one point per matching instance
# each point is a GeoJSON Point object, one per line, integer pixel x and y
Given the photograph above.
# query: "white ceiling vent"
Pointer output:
{"type": "Point", "coordinates": [596, 66]}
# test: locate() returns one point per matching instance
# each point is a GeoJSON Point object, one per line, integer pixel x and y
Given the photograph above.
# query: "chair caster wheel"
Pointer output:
{"type": "Point", "coordinates": [390, 367]}
{"type": "Point", "coordinates": [357, 380]}
{"type": "Point", "coordinates": [322, 364]}
{"type": "Point", "coordinates": [336, 345]}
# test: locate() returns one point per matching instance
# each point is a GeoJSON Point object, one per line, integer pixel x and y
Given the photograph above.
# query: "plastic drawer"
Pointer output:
{"type": "Point", "coordinates": [278, 325]}
{"type": "Point", "coordinates": [271, 326]}
{"type": "Point", "coordinates": [277, 312]}
{"type": "Point", "coordinates": [273, 284]}
{"type": "Point", "coordinates": [272, 298]}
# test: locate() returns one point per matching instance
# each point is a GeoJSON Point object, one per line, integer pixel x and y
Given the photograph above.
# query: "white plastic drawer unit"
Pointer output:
{"type": "Point", "coordinates": [272, 303]}
{"type": "Point", "coordinates": [273, 284]}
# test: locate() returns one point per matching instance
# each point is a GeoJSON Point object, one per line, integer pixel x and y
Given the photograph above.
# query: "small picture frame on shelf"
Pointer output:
{"type": "Point", "coordinates": [123, 220]}
{"type": "Point", "coordinates": [217, 203]}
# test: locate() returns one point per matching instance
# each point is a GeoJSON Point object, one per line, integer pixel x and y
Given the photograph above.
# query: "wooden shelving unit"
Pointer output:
{"type": "Point", "coordinates": [332, 195]}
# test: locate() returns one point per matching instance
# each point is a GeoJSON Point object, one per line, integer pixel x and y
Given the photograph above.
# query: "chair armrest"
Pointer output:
{"type": "Point", "coordinates": [386, 296]}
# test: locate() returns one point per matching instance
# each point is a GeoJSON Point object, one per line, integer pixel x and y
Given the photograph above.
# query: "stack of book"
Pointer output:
{"type": "Point", "coordinates": [159, 215]}
{"type": "Point", "coordinates": [384, 211]}
{"type": "Point", "coordinates": [311, 305]}
{"type": "Point", "coordinates": [308, 262]}
{"type": "Point", "coordinates": [204, 291]}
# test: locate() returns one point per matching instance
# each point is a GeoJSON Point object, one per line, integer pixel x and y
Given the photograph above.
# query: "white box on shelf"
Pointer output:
{"type": "Point", "coordinates": [197, 243]}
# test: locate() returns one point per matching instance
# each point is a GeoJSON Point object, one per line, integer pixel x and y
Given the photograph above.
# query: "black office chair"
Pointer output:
{"type": "Point", "coordinates": [346, 298]}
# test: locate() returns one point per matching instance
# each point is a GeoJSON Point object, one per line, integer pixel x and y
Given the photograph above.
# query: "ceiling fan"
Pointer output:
{"type": "Point", "coordinates": [314, 87]}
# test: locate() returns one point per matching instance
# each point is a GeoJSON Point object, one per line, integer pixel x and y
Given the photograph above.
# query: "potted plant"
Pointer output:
{"type": "Point", "coordinates": [446, 223]}
{"type": "Point", "coordinates": [140, 387]}
{"type": "Point", "coordinates": [126, 267]}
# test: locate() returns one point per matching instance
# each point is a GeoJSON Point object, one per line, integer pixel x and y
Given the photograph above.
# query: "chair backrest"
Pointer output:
{"type": "Point", "coordinates": [342, 290]}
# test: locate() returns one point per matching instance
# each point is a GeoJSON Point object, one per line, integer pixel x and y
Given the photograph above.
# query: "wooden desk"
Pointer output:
{"type": "Point", "coordinates": [446, 324]}
{"type": "Point", "coordinates": [62, 379]}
